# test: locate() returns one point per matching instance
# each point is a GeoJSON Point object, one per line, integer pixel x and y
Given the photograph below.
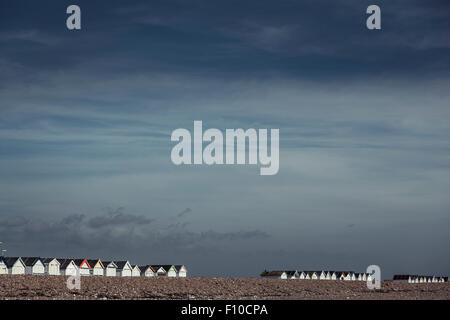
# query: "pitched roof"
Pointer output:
{"type": "Point", "coordinates": [80, 262]}
{"type": "Point", "coordinates": [158, 266]}
{"type": "Point", "coordinates": [166, 267]}
{"type": "Point", "coordinates": [64, 262]}
{"type": "Point", "coordinates": [107, 263]}
{"type": "Point", "coordinates": [144, 268]}
{"type": "Point", "coordinates": [179, 266]}
{"type": "Point", "coordinates": [121, 264]}
{"type": "Point", "coordinates": [344, 273]}
{"type": "Point", "coordinates": [48, 260]}
{"type": "Point", "coordinates": [31, 261]}
{"type": "Point", "coordinates": [311, 272]}
{"type": "Point", "coordinates": [10, 261]}
{"type": "Point", "coordinates": [93, 262]}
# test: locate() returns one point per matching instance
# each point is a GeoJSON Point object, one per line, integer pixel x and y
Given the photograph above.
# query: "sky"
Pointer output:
{"type": "Point", "coordinates": [86, 118]}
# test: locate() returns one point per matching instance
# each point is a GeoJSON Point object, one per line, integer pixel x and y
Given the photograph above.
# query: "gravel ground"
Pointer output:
{"type": "Point", "coordinates": [54, 287]}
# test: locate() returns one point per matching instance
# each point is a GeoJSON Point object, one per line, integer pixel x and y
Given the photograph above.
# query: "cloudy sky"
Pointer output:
{"type": "Point", "coordinates": [86, 118]}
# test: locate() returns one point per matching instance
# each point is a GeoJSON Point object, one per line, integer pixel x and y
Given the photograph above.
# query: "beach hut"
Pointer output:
{"type": "Point", "coordinates": [334, 275]}
{"type": "Point", "coordinates": [51, 266]}
{"type": "Point", "coordinates": [3, 266]}
{"type": "Point", "coordinates": [33, 265]}
{"type": "Point", "coordinates": [84, 266]}
{"type": "Point", "coordinates": [313, 275]}
{"type": "Point", "coordinates": [170, 270]}
{"type": "Point", "coordinates": [160, 271]}
{"type": "Point", "coordinates": [110, 268]}
{"type": "Point", "coordinates": [181, 271]}
{"type": "Point", "coordinates": [68, 267]}
{"type": "Point", "coordinates": [147, 271]}
{"type": "Point", "coordinates": [322, 275]}
{"type": "Point", "coordinates": [124, 269]}
{"type": "Point", "coordinates": [345, 275]}
{"type": "Point", "coordinates": [15, 265]}
{"type": "Point", "coordinates": [97, 267]}
{"type": "Point", "coordinates": [135, 272]}
{"type": "Point", "coordinates": [292, 274]}
{"type": "Point", "coordinates": [302, 275]}
{"type": "Point", "coordinates": [274, 274]}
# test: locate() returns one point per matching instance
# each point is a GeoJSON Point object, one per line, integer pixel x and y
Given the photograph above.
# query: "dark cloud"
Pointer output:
{"type": "Point", "coordinates": [73, 219]}
{"type": "Point", "coordinates": [13, 222]}
{"type": "Point", "coordinates": [117, 217]}
{"type": "Point", "coordinates": [302, 38]}
{"type": "Point", "coordinates": [184, 212]}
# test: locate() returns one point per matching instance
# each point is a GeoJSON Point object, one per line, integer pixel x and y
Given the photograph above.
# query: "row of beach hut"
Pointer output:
{"type": "Point", "coordinates": [317, 275]}
{"type": "Point", "coordinates": [86, 267]}
{"type": "Point", "coordinates": [419, 279]}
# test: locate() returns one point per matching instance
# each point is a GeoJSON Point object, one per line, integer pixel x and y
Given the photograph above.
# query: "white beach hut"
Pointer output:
{"type": "Point", "coordinates": [51, 266]}
{"type": "Point", "coordinates": [124, 269]}
{"type": "Point", "coordinates": [97, 267]}
{"type": "Point", "coordinates": [136, 272]}
{"type": "Point", "coordinates": [68, 267]}
{"type": "Point", "coordinates": [110, 268]}
{"type": "Point", "coordinates": [170, 270]}
{"type": "Point", "coordinates": [15, 265]}
{"type": "Point", "coordinates": [3, 266]}
{"type": "Point", "coordinates": [292, 274]}
{"type": "Point", "coordinates": [147, 271]}
{"type": "Point", "coordinates": [313, 275]}
{"type": "Point", "coordinates": [181, 271]}
{"type": "Point", "coordinates": [83, 266]}
{"type": "Point", "coordinates": [33, 265]}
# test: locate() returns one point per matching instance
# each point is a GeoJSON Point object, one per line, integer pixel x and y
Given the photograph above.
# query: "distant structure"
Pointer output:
{"type": "Point", "coordinates": [408, 278]}
{"type": "Point", "coordinates": [86, 267]}
{"type": "Point", "coordinates": [347, 276]}
{"type": "Point", "coordinates": [317, 275]}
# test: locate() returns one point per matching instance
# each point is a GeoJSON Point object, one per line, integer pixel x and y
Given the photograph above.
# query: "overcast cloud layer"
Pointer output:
{"type": "Point", "coordinates": [86, 118]}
